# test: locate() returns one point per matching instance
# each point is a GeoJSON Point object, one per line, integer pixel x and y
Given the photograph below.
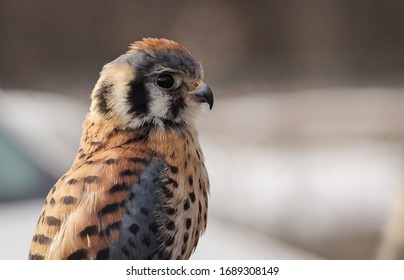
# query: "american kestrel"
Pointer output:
{"type": "Point", "coordinates": [138, 187]}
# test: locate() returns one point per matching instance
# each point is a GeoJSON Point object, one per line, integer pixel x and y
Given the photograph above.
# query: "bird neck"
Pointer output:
{"type": "Point", "coordinates": [173, 144]}
{"type": "Point", "coordinates": [102, 136]}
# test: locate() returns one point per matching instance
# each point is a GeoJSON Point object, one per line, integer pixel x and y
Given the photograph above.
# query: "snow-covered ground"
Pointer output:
{"type": "Point", "coordinates": [303, 175]}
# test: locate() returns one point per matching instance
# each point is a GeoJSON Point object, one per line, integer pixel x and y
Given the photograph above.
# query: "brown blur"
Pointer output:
{"type": "Point", "coordinates": [61, 45]}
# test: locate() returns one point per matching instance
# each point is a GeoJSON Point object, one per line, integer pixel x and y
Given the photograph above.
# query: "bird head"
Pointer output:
{"type": "Point", "coordinates": [157, 83]}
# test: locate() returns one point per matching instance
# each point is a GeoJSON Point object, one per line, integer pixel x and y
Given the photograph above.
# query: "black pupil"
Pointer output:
{"type": "Point", "coordinates": [165, 81]}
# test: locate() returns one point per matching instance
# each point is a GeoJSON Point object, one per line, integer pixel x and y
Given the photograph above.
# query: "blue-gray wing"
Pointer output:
{"type": "Point", "coordinates": [142, 228]}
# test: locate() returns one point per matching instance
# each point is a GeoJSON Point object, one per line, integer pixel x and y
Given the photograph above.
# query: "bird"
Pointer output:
{"type": "Point", "coordinates": [138, 187]}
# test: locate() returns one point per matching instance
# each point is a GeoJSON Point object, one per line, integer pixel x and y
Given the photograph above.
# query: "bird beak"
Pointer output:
{"type": "Point", "coordinates": [203, 94]}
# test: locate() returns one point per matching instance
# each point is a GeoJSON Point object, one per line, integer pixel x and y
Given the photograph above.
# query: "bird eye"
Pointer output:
{"type": "Point", "coordinates": [165, 81]}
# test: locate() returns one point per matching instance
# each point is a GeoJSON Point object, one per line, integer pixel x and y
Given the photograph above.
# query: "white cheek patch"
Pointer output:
{"type": "Point", "coordinates": [121, 106]}
{"type": "Point", "coordinates": [120, 75]}
{"type": "Point", "coordinates": [159, 103]}
{"type": "Point", "coordinates": [191, 112]}
{"type": "Point", "coordinates": [160, 106]}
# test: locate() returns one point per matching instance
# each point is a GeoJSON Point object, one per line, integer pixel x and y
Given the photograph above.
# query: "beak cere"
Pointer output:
{"type": "Point", "coordinates": [203, 94]}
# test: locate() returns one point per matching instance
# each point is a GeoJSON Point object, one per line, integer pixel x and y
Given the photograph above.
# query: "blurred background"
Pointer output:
{"type": "Point", "coordinates": [304, 145]}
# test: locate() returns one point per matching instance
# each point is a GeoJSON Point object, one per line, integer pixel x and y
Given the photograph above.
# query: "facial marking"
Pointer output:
{"type": "Point", "coordinates": [159, 102]}
{"type": "Point", "coordinates": [128, 88]}
{"type": "Point", "coordinates": [139, 99]}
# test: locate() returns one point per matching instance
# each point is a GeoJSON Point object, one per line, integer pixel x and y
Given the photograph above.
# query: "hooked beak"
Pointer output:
{"type": "Point", "coordinates": [203, 94]}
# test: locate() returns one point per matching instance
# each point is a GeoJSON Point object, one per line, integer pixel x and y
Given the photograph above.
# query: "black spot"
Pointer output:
{"type": "Point", "coordinates": [134, 228]}
{"type": "Point", "coordinates": [170, 225]}
{"type": "Point", "coordinates": [119, 188]}
{"type": "Point", "coordinates": [153, 227]}
{"type": "Point", "coordinates": [78, 255]}
{"type": "Point", "coordinates": [170, 241]}
{"type": "Point", "coordinates": [138, 98]}
{"type": "Point", "coordinates": [146, 240]}
{"type": "Point", "coordinates": [144, 211]}
{"type": "Point", "coordinates": [190, 180]}
{"type": "Point", "coordinates": [52, 221]}
{"type": "Point", "coordinates": [170, 211]}
{"type": "Point", "coordinates": [46, 201]}
{"type": "Point", "coordinates": [108, 209]}
{"type": "Point", "coordinates": [139, 160]}
{"type": "Point", "coordinates": [103, 254]}
{"type": "Point", "coordinates": [111, 161]}
{"type": "Point", "coordinates": [89, 231]}
{"type": "Point", "coordinates": [113, 226]}
{"type": "Point", "coordinates": [186, 164]}
{"type": "Point", "coordinates": [71, 181]}
{"type": "Point", "coordinates": [132, 196]}
{"type": "Point", "coordinates": [82, 156]}
{"type": "Point", "coordinates": [196, 242]}
{"type": "Point", "coordinates": [205, 217]}
{"type": "Point", "coordinates": [186, 205]}
{"type": "Point", "coordinates": [186, 236]}
{"type": "Point", "coordinates": [173, 169]}
{"type": "Point", "coordinates": [53, 189]}
{"type": "Point", "coordinates": [90, 179]}
{"type": "Point", "coordinates": [192, 196]}
{"type": "Point", "coordinates": [52, 201]}
{"type": "Point", "coordinates": [128, 172]}
{"type": "Point", "coordinates": [125, 251]}
{"type": "Point", "coordinates": [172, 182]}
{"type": "Point", "coordinates": [172, 156]}
{"type": "Point", "coordinates": [68, 199]}
{"type": "Point", "coordinates": [101, 96]}
{"type": "Point", "coordinates": [198, 154]}
{"type": "Point", "coordinates": [89, 162]}
{"type": "Point", "coordinates": [95, 143]}
{"type": "Point", "coordinates": [188, 223]}
{"type": "Point", "coordinates": [200, 206]}
{"type": "Point", "coordinates": [168, 193]}
{"type": "Point", "coordinates": [41, 239]}
{"type": "Point", "coordinates": [36, 257]}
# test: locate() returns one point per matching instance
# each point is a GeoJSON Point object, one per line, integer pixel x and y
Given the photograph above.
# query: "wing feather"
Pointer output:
{"type": "Point", "coordinates": [83, 211]}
